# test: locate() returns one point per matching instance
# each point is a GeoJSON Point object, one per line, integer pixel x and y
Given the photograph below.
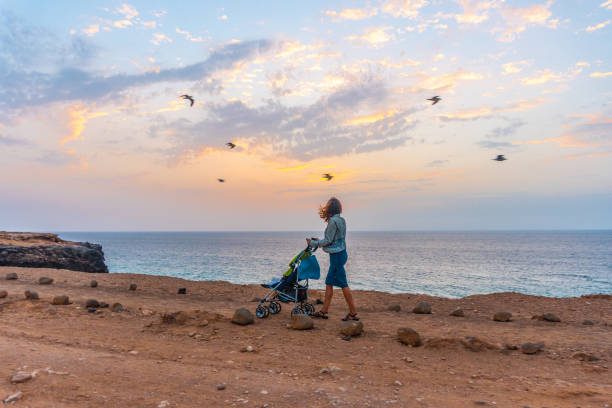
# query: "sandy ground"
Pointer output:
{"type": "Point", "coordinates": [133, 359]}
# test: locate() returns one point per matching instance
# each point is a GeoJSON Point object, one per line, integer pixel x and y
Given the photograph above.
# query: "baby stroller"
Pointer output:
{"type": "Point", "coordinates": [292, 287]}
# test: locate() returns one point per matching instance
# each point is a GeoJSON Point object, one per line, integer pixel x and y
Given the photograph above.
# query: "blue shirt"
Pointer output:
{"type": "Point", "coordinates": [335, 234]}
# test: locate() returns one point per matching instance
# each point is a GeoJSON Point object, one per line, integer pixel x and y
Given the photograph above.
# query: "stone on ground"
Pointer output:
{"type": "Point", "coordinates": [301, 322]}
{"type": "Point", "coordinates": [409, 337]}
{"type": "Point", "coordinates": [133, 286]}
{"type": "Point", "coordinates": [394, 308]}
{"type": "Point", "coordinates": [351, 328]}
{"type": "Point", "coordinates": [475, 344]}
{"type": "Point", "coordinates": [182, 291]}
{"type": "Point", "coordinates": [103, 305]}
{"type": "Point", "coordinates": [243, 317]}
{"type": "Point", "coordinates": [61, 300]}
{"type": "Point", "coordinates": [585, 357]}
{"type": "Point", "coordinates": [11, 276]}
{"type": "Point", "coordinates": [93, 303]}
{"type": "Point", "coordinates": [531, 348]}
{"type": "Point", "coordinates": [93, 283]}
{"type": "Point", "coordinates": [458, 313]}
{"type": "Point", "coordinates": [422, 308]}
{"type": "Point", "coordinates": [502, 316]}
{"type": "Point", "coordinates": [30, 294]}
{"type": "Point", "coordinates": [551, 317]}
{"type": "Point", "coordinates": [13, 397]}
{"type": "Point", "coordinates": [21, 378]}
{"type": "Point", "coordinates": [3, 294]}
{"type": "Point", "coordinates": [45, 281]}
{"type": "Point", "coordinates": [117, 307]}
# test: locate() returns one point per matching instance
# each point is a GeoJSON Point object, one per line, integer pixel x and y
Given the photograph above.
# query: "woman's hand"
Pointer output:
{"type": "Point", "coordinates": [308, 241]}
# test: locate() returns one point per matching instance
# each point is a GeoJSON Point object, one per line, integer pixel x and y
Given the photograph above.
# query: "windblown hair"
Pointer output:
{"type": "Point", "coordinates": [330, 209]}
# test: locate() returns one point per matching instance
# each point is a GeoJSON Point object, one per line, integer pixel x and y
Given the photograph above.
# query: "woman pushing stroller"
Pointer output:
{"type": "Point", "coordinates": [335, 245]}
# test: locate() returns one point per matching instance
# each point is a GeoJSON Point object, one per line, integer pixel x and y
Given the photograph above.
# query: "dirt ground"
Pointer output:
{"type": "Point", "coordinates": [134, 359]}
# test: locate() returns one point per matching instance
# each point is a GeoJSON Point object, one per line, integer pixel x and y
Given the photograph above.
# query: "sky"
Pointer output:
{"type": "Point", "coordinates": [95, 137]}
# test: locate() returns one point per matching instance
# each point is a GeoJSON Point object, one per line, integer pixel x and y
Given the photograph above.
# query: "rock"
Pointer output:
{"type": "Point", "coordinates": [92, 309]}
{"type": "Point", "coordinates": [509, 346]}
{"type": "Point", "coordinates": [13, 397]}
{"type": "Point", "coordinates": [51, 309]}
{"type": "Point", "coordinates": [422, 308]}
{"type": "Point", "coordinates": [502, 316]}
{"type": "Point", "coordinates": [203, 323]}
{"type": "Point", "coordinates": [61, 300]}
{"type": "Point", "coordinates": [21, 378]}
{"type": "Point", "coordinates": [476, 344]}
{"type": "Point", "coordinates": [397, 383]}
{"type": "Point", "coordinates": [243, 317]}
{"type": "Point", "coordinates": [3, 294]}
{"type": "Point", "coordinates": [255, 299]}
{"type": "Point", "coordinates": [182, 291]}
{"type": "Point", "coordinates": [531, 348]}
{"type": "Point", "coordinates": [409, 337]}
{"type": "Point", "coordinates": [42, 250]}
{"type": "Point", "coordinates": [458, 313]}
{"type": "Point", "coordinates": [247, 349]}
{"type": "Point", "coordinates": [30, 294]}
{"type": "Point", "coordinates": [92, 303]}
{"type": "Point", "coordinates": [551, 317]}
{"type": "Point", "coordinates": [585, 357]}
{"type": "Point", "coordinates": [351, 328]}
{"type": "Point", "coordinates": [394, 308]}
{"type": "Point", "coordinates": [301, 322]}
{"type": "Point", "coordinates": [45, 281]}
{"type": "Point", "coordinates": [221, 387]}
{"type": "Point", "coordinates": [179, 317]}
{"type": "Point", "coordinates": [103, 305]}
{"type": "Point", "coordinates": [93, 283]}
{"type": "Point", "coordinates": [163, 404]}
{"type": "Point", "coordinates": [133, 286]}
{"type": "Point", "coordinates": [117, 307]}
{"type": "Point", "coordinates": [319, 302]}
{"type": "Point", "coordinates": [588, 322]}
{"type": "Point", "coordinates": [11, 276]}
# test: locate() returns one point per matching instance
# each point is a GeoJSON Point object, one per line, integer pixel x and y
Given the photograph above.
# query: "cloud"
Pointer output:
{"type": "Point", "coordinates": [475, 11]}
{"type": "Point", "coordinates": [489, 144]}
{"type": "Point", "coordinates": [519, 19]}
{"type": "Point", "coordinates": [591, 131]}
{"type": "Point", "coordinates": [375, 36]}
{"type": "Point", "coordinates": [9, 141]}
{"type": "Point", "coordinates": [160, 39]}
{"type": "Point", "coordinates": [188, 35]}
{"type": "Point", "coordinates": [351, 14]}
{"type": "Point", "coordinates": [546, 75]}
{"type": "Point", "coordinates": [122, 24]}
{"type": "Point", "coordinates": [127, 11]}
{"type": "Point", "coordinates": [506, 131]}
{"type": "Point", "coordinates": [436, 163]}
{"type": "Point", "coordinates": [444, 82]}
{"type": "Point", "coordinates": [79, 116]}
{"type": "Point", "coordinates": [484, 112]}
{"type": "Point", "coordinates": [598, 26]}
{"type": "Point", "coordinates": [70, 84]}
{"type": "Point", "coordinates": [607, 4]}
{"type": "Point", "coordinates": [600, 74]}
{"type": "Point", "coordinates": [91, 30]}
{"type": "Point", "coordinates": [403, 8]}
{"type": "Point", "coordinates": [588, 156]}
{"type": "Point", "coordinates": [513, 67]}
{"type": "Point", "coordinates": [305, 132]}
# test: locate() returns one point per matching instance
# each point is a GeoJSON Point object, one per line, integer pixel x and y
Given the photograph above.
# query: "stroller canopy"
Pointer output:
{"type": "Point", "coordinates": [309, 268]}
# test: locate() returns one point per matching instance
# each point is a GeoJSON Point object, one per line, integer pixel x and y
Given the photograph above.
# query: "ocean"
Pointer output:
{"type": "Point", "coordinates": [449, 264]}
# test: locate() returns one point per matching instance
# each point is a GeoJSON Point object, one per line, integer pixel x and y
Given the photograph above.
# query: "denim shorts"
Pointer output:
{"type": "Point", "coordinates": [336, 275]}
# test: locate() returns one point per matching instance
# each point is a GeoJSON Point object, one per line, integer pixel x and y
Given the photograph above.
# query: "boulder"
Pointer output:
{"type": "Point", "coordinates": [103, 305]}
{"type": "Point", "coordinates": [351, 328]}
{"type": "Point", "coordinates": [422, 308]}
{"type": "Point", "coordinates": [93, 283]}
{"type": "Point", "coordinates": [133, 286]}
{"type": "Point", "coordinates": [21, 378]}
{"type": "Point", "coordinates": [502, 316]}
{"type": "Point", "coordinates": [531, 348]}
{"type": "Point", "coordinates": [93, 303]}
{"type": "Point", "coordinates": [551, 317]}
{"type": "Point", "coordinates": [3, 294]}
{"type": "Point", "coordinates": [45, 281]}
{"type": "Point", "coordinates": [301, 322]}
{"type": "Point", "coordinates": [182, 291]}
{"type": "Point", "coordinates": [30, 294]}
{"type": "Point", "coordinates": [243, 317]}
{"type": "Point", "coordinates": [61, 300]}
{"type": "Point", "coordinates": [394, 308]}
{"type": "Point", "coordinates": [458, 313]}
{"type": "Point", "coordinates": [117, 307]}
{"type": "Point", "coordinates": [11, 276]}
{"type": "Point", "coordinates": [409, 337]}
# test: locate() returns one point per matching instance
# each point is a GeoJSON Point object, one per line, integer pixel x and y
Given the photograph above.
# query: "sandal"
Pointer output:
{"type": "Point", "coordinates": [320, 314]}
{"type": "Point", "coordinates": [350, 316]}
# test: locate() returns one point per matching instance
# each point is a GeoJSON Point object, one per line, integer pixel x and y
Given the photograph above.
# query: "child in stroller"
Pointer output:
{"type": "Point", "coordinates": [292, 287]}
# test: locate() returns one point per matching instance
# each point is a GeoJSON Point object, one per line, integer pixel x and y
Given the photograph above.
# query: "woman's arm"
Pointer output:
{"type": "Point", "coordinates": [330, 233]}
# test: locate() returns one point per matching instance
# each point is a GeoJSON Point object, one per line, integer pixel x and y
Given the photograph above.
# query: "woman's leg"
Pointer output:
{"type": "Point", "coordinates": [329, 293]}
{"type": "Point", "coordinates": [348, 296]}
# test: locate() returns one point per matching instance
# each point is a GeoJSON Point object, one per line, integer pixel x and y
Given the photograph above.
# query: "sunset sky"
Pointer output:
{"type": "Point", "coordinates": [94, 136]}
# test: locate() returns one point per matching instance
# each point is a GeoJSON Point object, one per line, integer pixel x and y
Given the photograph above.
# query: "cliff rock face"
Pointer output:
{"type": "Point", "coordinates": [40, 250]}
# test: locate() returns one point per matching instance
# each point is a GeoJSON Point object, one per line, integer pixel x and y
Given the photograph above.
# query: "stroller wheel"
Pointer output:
{"type": "Point", "coordinates": [296, 311]}
{"type": "Point", "coordinates": [275, 307]}
{"type": "Point", "coordinates": [308, 308]}
{"type": "Point", "coordinates": [261, 312]}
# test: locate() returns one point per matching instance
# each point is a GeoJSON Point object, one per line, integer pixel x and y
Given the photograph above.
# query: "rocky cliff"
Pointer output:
{"type": "Point", "coordinates": [40, 250]}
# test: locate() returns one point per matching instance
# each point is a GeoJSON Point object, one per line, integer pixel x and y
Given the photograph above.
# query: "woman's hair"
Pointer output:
{"type": "Point", "coordinates": [330, 209]}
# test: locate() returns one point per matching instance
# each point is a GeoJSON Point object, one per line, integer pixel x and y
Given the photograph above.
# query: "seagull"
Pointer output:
{"type": "Point", "coordinates": [434, 100]}
{"type": "Point", "coordinates": [189, 98]}
{"type": "Point", "coordinates": [221, 180]}
{"type": "Point", "coordinates": [500, 157]}
{"type": "Point", "coordinates": [230, 145]}
{"type": "Point", "coordinates": [328, 176]}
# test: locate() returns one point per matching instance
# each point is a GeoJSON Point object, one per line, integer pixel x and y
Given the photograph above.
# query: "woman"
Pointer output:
{"type": "Point", "coordinates": [335, 245]}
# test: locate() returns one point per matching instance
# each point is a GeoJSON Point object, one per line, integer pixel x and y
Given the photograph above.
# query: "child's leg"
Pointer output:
{"type": "Point", "coordinates": [348, 296]}
{"type": "Point", "coordinates": [329, 292]}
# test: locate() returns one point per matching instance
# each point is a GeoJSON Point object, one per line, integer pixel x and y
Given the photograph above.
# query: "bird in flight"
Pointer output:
{"type": "Point", "coordinates": [328, 176]}
{"type": "Point", "coordinates": [221, 180]}
{"type": "Point", "coordinates": [500, 157]}
{"type": "Point", "coordinates": [434, 100]}
{"type": "Point", "coordinates": [230, 145]}
{"type": "Point", "coordinates": [188, 98]}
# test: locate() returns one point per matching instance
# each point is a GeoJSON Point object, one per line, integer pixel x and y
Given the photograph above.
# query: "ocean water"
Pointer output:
{"type": "Point", "coordinates": [450, 264]}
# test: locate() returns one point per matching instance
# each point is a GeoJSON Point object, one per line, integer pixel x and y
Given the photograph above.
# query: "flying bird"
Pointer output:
{"type": "Point", "coordinates": [500, 157]}
{"type": "Point", "coordinates": [230, 145]}
{"type": "Point", "coordinates": [221, 180]}
{"type": "Point", "coordinates": [188, 98]}
{"type": "Point", "coordinates": [328, 176]}
{"type": "Point", "coordinates": [434, 100]}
